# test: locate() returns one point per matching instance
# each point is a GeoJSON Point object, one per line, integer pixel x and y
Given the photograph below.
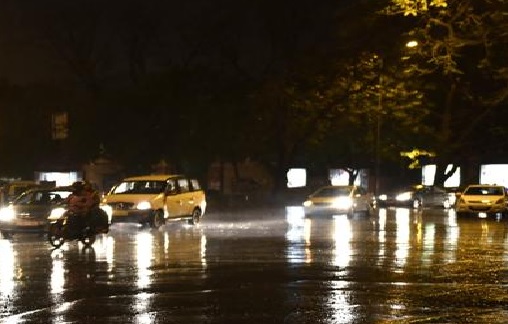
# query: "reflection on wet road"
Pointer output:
{"type": "Point", "coordinates": [266, 266]}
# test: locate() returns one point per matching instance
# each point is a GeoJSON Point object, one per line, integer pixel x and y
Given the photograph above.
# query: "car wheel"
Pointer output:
{"type": "Point", "coordinates": [157, 219]}
{"type": "Point", "coordinates": [195, 217]}
{"type": "Point", "coordinates": [6, 234]}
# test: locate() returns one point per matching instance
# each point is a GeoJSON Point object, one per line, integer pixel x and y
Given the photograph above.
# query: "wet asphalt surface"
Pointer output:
{"type": "Point", "coordinates": [266, 266]}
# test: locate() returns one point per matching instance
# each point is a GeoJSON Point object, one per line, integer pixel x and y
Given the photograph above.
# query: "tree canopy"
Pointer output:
{"type": "Point", "coordinates": [286, 83]}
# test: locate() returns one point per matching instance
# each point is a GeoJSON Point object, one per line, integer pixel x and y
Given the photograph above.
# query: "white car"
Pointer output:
{"type": "Point", "coordinates": [336, 200]}
{"type": "Point", "coordinates": [154, 199]}
{"type": "Point", "coordinates": [482, 200]}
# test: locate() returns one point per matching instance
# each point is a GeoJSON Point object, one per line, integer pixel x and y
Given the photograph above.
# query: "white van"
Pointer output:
{"type": "Point", "coordinates": [154, 199]}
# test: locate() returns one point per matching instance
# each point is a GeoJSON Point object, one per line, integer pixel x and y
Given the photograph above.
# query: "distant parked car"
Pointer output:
{"type": "Point", "coordinates": [416, 196]}
{"type": "Point", "coordinates": [29, 211]}
{"type": "Point", "coordinates": [482, 200]}
{"type": "Point", "coordinates": [336, 200]}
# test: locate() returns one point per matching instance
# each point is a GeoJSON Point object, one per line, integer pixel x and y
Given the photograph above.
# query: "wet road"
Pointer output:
{"type": "Point", "coordinates": [266, 266]}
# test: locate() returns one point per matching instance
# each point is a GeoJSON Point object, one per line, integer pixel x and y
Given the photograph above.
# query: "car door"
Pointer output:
{"type": "Point", "coordinates": [438, 196]}
{"type": "Point", "coordinates": [361, 198]}
{"type": "Point", "coordinates": [186, 196]}
{"type": "Point", "coordinates": [173, 201]}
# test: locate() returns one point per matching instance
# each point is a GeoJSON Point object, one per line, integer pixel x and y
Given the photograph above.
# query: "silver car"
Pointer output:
{"type": "Point", "coordinates": [337, 200]}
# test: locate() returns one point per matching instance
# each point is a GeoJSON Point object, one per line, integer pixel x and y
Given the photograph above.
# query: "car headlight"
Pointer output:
{"type": "Point", "coordinates": [405, 196]}
{"type": "Point", "coordinates": [56, 213]}
{"type": "Point", "coordinates": [7, 214]}
{"type": "Point", "coordinates": [307, 203]}
{"type": "Point", "coordinates": [383, 197]}
{"type": "Point", "coordinates": [144, 205]}
{"type": "Point", "coordinates": [342, 202]}
{"type": "Point", "coordinates": [108, 210]}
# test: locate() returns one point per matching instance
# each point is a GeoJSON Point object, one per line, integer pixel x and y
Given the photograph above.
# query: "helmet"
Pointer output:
{"type": "Point", "coordinates": [78, 185]}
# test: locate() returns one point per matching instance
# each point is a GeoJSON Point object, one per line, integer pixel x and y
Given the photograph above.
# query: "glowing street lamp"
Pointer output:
{"type": "Point", "coordinates": [412, 44]}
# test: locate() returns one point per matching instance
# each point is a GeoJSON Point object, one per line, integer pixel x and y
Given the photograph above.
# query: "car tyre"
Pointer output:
{"type": "Point", "coordinates": [461, 214]}
{"type": "Point", "coordinates": [6, 234]}
{"type": "Point", "coordinates": [157, 220]}
{"type": "Point", "coordinates": [195, 217]}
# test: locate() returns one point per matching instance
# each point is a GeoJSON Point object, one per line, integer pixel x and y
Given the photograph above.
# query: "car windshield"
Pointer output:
{"type": "Point", "coordinates": [140, 187]}
{"type": "Point", "coordinates": [484, 191]}
{"type": "Point", "coordinates": [333, 192]}
{"type": "Point", "coordinates": [41, 197]}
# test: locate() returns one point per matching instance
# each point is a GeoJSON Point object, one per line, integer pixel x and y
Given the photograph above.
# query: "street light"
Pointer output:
{"type": "Point", "coordinates": [412, 44]}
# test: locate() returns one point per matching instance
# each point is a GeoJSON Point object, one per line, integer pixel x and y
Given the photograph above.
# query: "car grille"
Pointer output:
{"type": "Point", "coordinates": [480, 208]}
{"type": "Point", "coordinates": [121, 205]}
{"type": "Point", "coordinates": [28, 216]}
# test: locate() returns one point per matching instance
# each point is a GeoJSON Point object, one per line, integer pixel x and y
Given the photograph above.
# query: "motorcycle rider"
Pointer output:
{"type": "Point", "coordinates": [98, 219]}
{"type": "Point", "coordinates": [78, 209]}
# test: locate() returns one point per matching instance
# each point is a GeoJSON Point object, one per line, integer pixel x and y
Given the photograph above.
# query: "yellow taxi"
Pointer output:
{"type": "Point", "coordinates": [154, 199]}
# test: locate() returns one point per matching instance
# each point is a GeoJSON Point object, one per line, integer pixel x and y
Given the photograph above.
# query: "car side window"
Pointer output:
{"type": "Point", "coordinates": [195, 185]}
{"type": "Point", "coordinates": [171, 188]}
{"type": "Point", "coordinates": [358, 192]}
{"type": "Point", "coordinates": [183, 185]}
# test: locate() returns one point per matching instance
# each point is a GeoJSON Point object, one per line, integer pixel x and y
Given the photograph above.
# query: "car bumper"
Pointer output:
{"type": "Point", "coordinates": [131, 216]}
{"type": "Point", "coordinates": [394, 203]}
{"type": "Point", "coordinates": [317, 210]}
{"type": "Point", "coordinates": [24, 226]}
{"type": "Point", "coordinates": [475, 209]}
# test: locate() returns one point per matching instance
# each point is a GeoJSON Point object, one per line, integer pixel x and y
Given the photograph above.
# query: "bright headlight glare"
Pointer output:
{"type": "Point", "coordinates": [343, 202]}
{"type": "Point", "coordinates": [56, 213]}
{"type": "Point", "coordinates": [144, 205]}
{"type": "Point", "coordinates": [383, 197]}
{"type": "Point", "coordinates": [307, 203]}
{"type": "Point", "coordinates": [405, 196]}
{"type": "Point", "coordinates": [6, 213]}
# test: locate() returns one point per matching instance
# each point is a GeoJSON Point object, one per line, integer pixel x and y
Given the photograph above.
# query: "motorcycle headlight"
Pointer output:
{"type": "Point", "coordinates": [7, 214]}
{"type": "Point", "coordinates": [342, 202]}
{"type": "Point", "coordinates": [56, 213]}
{"type": "Point", "coordinates": [144, 205]}
{"type": "Point", "coordinates": [405, 196]}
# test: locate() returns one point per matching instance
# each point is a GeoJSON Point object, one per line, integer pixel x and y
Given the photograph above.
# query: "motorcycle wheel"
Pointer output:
{"type": "Point", "coordinates": [88, 237]}
{"type": "Point", "coordinates": [55, 235]}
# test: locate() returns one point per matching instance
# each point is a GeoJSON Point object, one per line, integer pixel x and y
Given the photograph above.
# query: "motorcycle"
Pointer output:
{"type": "Point", "coordinates": [65, 226]}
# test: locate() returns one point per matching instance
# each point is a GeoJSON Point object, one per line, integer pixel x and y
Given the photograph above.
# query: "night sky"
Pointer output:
{"type": "Point", "coordinates": [80, 56]}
